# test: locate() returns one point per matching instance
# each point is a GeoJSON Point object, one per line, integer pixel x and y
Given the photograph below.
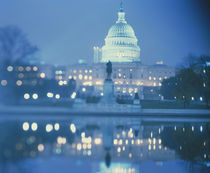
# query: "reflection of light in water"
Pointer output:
{"type": "Point", "coordinates": [56, 126]}
{"type": "Point", "coordinates": [154, 141]}
{"type": "Point", "coordinates": [89, 146]}
{"type": "Point", "coordinates": [61, 140]}
{"type": "Point", "coordinates": [201, 128]}
{"type": "Point", "coordinates": [150, 141]}
{"type": "Point", "coordinates": [89, 152]}
{"type": "Point", "coordinates": [130, 133]}
{"type": "Point", "coordinates": [118, 168]}
{"type": "Point", "coordinates": [84, 146]}
{"type": "Point", "coordinates": [57, 96]}
{"type": "Point", "coordinates": [160, 141]}
{"type": "Point", "coordinates": [50, 95]}
{"type": "Point", "coordinates": [25, 126]}
{"type": "Point", "coordinates": [87, 140]}
{"type": "Point", "coordinates": [126, 142]}
{"type": "Point", "coordinates": [58, 151]}
{"type": "Point", "coordinates": [132, 142]}
{"type": "Point", "coordinates": [159, 130]}
{"type": "Point", "coordinates": [129, 147]}
{"type": "Point", "coordinates": [192, 128]}
{"type": "Point", "coordinates": [73, 128]}
{"type": "Point", "coordinates": [115, 142]}
{"type": "Point", "coordinates": [123, 134]}
{"type": "Point", "coordinates": [83, 134]}
{"type": "Point", "coordinates": [73, 96]}
{"type": "Point", "coordinates": [49, 128]}
{"type": "Point", "coordinates": [120, 142]}
{"type": "Point", "coordinates": [204, 156]}
{"type": "Point", "coordinates": [73, 145]}
{"type": "Point", "coordinates": [97, 141]}
{"type": "Point", "coordinates": [118, 135]}
{"type": "Point", "coordinates": [34, 126]}
{"type": "Point", "coordinates": [79, 146]}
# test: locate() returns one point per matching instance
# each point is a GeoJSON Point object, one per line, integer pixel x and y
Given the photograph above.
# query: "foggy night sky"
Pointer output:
{"type": "Point", "coordinates": [67, 30]}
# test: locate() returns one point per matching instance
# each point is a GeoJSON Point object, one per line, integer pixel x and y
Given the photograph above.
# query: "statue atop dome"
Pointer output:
{"type": "Point", "coordinates": [121, 14]}
{"type": "Point", "coordinates": [121, 6]}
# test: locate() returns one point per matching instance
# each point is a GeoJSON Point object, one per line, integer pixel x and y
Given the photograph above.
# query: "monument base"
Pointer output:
{"type": "Point", "coordinates": [108, 92]}
{"type": "Point", "coordinates": [136, 102]}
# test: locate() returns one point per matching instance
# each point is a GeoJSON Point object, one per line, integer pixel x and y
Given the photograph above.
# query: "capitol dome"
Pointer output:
{"type": "Point", "coordinates": [121, 42]}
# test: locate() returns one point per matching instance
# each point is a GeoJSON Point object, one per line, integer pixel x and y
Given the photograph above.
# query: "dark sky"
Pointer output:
{"type": "Point", "coordinates": [67, 30]}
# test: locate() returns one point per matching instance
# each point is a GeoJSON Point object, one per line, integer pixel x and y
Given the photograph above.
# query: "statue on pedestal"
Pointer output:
{"type": "Point", "coordinates": [108, 87]}
{"type": "Point", "coordinates": [109, 70]}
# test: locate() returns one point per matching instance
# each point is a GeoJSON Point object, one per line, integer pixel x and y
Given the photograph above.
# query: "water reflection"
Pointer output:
{"type": "Point", "coordinates": [105, 145]}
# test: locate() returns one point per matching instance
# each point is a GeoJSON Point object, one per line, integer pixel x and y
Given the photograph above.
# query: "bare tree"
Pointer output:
{"type": "Point", "coordinates": [14, 45]}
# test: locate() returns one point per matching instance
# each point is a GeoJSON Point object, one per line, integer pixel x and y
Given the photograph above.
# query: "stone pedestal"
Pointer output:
{"type": "Point", "coordinates": [108, 91]}
{"type": "Point", "coordinates": [136, 100]}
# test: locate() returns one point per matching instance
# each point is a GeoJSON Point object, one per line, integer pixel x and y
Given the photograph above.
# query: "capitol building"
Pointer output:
{"type": "Point", "coordinates": [129, 74]}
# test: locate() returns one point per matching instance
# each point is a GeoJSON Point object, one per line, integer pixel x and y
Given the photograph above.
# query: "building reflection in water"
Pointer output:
{"type": "Point", "coordinates": [112, 145]}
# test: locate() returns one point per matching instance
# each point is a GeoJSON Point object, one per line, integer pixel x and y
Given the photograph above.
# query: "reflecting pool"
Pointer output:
{"type": "Point", "coordinates": [104, 145]}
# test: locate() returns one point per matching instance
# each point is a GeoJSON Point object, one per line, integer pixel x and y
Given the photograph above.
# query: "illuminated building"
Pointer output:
{"type": "Point", "coordinates": [129, 75]}
{"type": "Point", "coordinates": [120, 43]}
{"type": "Point", "coordinates": [128, 78]}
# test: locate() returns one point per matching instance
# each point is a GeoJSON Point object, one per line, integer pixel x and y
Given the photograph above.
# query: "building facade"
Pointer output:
{"type": "Point", "coordinates": [128, 78]}
{"type": "Point", "coordinates": [129, 74]}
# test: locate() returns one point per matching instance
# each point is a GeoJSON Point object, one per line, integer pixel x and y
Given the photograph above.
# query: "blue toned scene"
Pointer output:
{"type": "Point", "coordinates": [105, 86]}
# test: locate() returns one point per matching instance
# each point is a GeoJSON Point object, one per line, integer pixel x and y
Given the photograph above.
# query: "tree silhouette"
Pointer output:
{"type": "Point", "coordinates": [168, 87]}
{"type": "Point", "coordinates": [189, 85]}
{"type": "Point", "coordinates": [14, 45]}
